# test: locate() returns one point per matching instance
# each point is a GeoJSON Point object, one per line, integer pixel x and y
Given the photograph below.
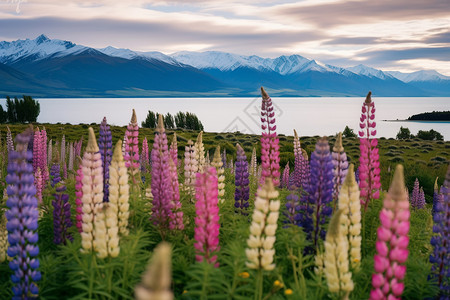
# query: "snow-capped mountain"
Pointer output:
{"type": "Point", "coordinates": [369, 72]}
{"type": "Point", "coordinates": [129, 54]}
{"type": "Point", "coordinates": [52, 67]}
{"type": "Point", "coordinates": [424, 75]}
{"type": "Point", "coordinates": [36, 49]}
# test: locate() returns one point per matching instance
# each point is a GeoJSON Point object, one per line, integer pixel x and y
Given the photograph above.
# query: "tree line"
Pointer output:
{"type": "Point", "coordinates": [20, 110]}
{"type": "Point", "coordinates": [180, 120]}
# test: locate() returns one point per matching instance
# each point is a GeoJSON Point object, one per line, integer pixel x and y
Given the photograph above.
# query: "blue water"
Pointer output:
{"type": "Point", "coordinates": [309, 116]}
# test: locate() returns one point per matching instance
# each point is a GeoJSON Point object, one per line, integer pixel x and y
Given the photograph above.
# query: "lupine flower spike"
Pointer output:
{"type": "Point", "coordinates": [9, 140]}
{"type": "Point", "coordinates": [49, 152]}
{"type": "Point", "coordinates": [320, 189]}
{"type": "Point", "coordinates": [369, 160]}
{"type": "Point", "coordinates": [253, 163]}
{"type": "Point", "coordinates": [131, 154]}
{"type": "Point", "coordinates": [207, 217]}
{"type": "Point", "coordinates": [105, 146]}
{"type": "Point", "coordinates": [61, 208]}
{"type": "Point", "coordinates": [173, 149]}
{"type": "Point", "coordinates": [270, 154]}
{"type": "Point", "coordinates": [261, 241]}
{"type": "Point", "coordinates": [92, 187]}
{"type": "Point", "coordinates": [340, 166]}
{"type": "Point", "coordinates": [3, 237]}
{"type": "Point", "coordinates": [79, 195]}
{"type": "Point", "coordinates": [337, 272]}
{"type": "Point", "coordinates": [350, 207]}
{"type": "Point", "coordinates": [217, 163]}
{"type": "Point", "coordinates": [145, 159]}
{"type": "Point", "coordinates": [22, 217]}
{"type": "Point", "coordinates": [241, 180]}
{"type": "Point", "coordinates": [119, 188]}
{"type": "Point", "coordinates": [200, 152]}
{"type": "Point", "coordinates": [415, 194]}
{"type": "Point", "coordinates": [162, 193]}
{"type": "Point", "coordinates": [157, 278]}
{"type": "Point", "coordinates": [176, 217]}
{"type": "Point", "coordinates": [437, 197]}
{"type": "Point", "coordinates": [392, 242]}
{"type": "Point", "coordinates": [190, 166]}
{"type": "Point", "coordinates": [440, 258]}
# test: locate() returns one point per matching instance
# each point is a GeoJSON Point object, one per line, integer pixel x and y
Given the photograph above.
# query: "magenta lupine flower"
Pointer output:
{"type": "Point", "coordinates": [78, 147]}
{"type": "Point", "coordinates": [79, 195]}
{"type": "Point", "coordinates": [270, 154]}
{"type": "Point", "coordinates": [22, 216]}
{"type": "Point", "coordinates": [44, 161]}
{"type": "Point", "coordinates": [285, 178]}
{"type": "Point", "coordinates": [161, 190]}
{"type": "Point", "coordinates": [340, 167]}
{"type": "Point", "coordinates": [207, 217]}
{"type": "Point", "coordinates": [176, 217]}
{"type": "Point", "coordinates": [440, 258]}
{"type": "Point", "coordinates": [105, 146]}
{"type": "Point", "coordinates": [392, 242]}
{"type": "Point", "coordinates": [144, 156]}
{"type": "Point", "coordinates": [38, 183]}
{"type": "Point", "coordinates": [369, 160]}
{"type": "Point", "coordinates": [131, 154]}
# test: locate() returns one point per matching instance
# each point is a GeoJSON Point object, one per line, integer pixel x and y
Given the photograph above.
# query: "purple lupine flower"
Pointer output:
{"type": "Point", "coordinates": [415, 194]}
{"type": "Point", "coordinates": [293, 207]}
{"type": "Point", "coordinates": [285, 179]}
{"type": "Point", "coordinates": [270, 148]}
{"type": "Point", "coordinates": [131, 153]}
{"type": "Point", "coordinates": [305, 170]}
{"type": "Point", "coordinates": [61, 208]}
{"type": "Point", "coordinates": [437, 197]}
{"type": "Point", "coordinates": [340, 167]}
{"type": "Point", "coordinates": [242, 191]}
{"type": "Point", "coordinates": [369, 160]}
{"type": "Point", "coordinates": [37, 150]}
{"type": "Point", "coordinates": [297, 174]}
{"type": "Point", "coordinates": [9, 140]}
{"type": "Point", "coordinates": [421, 200]}
{"type": "Point", "coordinates": [105, 146]}
{"type": "Point", "coordinates": [320, 188]}
{"type": "Point", "coordinates": [440, 258]}
{"type": "Point", "coordinates": [224, 158]}
{"type": "Point", "coordinates": [144, 159]}
{"type": "Point", "coordinates": [161, 190]}
{"type": "Point", "coordinates": [22, 217]}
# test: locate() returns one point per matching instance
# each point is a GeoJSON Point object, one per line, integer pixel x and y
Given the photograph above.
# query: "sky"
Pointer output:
{"type": "Point", "coordinates": [400, 35]}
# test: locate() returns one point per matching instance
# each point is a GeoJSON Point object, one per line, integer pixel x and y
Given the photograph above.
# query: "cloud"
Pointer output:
{"type": "Point", "coordinates": [437, 53]}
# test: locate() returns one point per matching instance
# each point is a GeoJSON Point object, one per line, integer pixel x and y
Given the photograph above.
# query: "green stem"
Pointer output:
{"type": "Point", "coordinates": [259, 285]}
{"type": "Point", "coordinates": [294, 268]}
{"type": "Point", "coordinates": [363, 243]}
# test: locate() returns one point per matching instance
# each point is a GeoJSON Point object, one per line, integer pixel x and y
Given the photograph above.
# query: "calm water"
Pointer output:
{"type": "Point", "coordinates": [309, 116]}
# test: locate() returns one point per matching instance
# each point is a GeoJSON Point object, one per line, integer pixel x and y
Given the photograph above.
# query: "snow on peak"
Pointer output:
{"type": "Point", "coordinates": [129, 54]}
{"type": "Point", "coordinates": [36, 49]}
{"type": "Point", "coordinates": [424, 75]}
{"type": "Point", "coordinates": [369, 72]}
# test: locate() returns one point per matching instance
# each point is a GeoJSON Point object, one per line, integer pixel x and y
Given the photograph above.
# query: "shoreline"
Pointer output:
{"type": "Point", "coordinates": [417, 121]}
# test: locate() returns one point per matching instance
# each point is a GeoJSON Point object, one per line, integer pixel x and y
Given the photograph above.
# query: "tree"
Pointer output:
{"type": "Point", "coordinates": [180, 119]}
{"type": "Point", "coordinates": [169, 123]}
{"type": "Point", "coordinates": [150, 120]}
{"type": "Point", "coordinates": [348, 133]}
{"type": "Point", "coordinates": [430, 135]}
{"type": "Point", "coordinates": [3, 115]}
{"type": "Point", "coordinates": [22, 110]}
{"type": "Point", "coordinates": [404, 134]}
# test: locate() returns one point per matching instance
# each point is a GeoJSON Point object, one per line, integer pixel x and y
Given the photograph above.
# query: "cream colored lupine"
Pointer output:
{"type": "Point", "coordinates": [207, 160]}
{"type": "Point", "coordinates": [3, 237]}
{"type": "Point", "coordinates": [263, 228]}
{"type": "Point", "coordinates": [190, 166]}
{"type": "Point", "coordinates": [319, 264]}
{"type": "Point", "coordinates": [297, 145]}
{"type": "Point", "coordinates": [119, 189]}
{"type": "Point", "coordinates": [200, 152]}
{"type": "Point", "coordinates": [111, 212]}
{"type": "Point", "coordinates": [92, 198]}
{"type": "Point", "coordinates": [156, 281]}
{"type": "Point", "coordinates": [253, 163]}
{"type": "Point", "coordinates": [100, 233]}
{"type": "Point", "coordinates": [350, 205]}
{"type": "Point", "coordinates": [337, 273]}
{"type": "Point", "coordinates": [218, 164]}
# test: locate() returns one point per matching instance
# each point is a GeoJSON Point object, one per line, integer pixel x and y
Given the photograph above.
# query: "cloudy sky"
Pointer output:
{"type": "Point", "coordinates": [404, 35]}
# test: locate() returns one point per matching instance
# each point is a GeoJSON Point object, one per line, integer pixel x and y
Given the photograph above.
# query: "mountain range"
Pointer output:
{"type": "Point", "coordinates": [45, 67]}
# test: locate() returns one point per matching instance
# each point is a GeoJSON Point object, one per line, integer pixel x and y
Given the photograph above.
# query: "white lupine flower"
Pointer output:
{"type": "Point", "coordinates": [218, 164]}
{"type": "Point", "coordinates": [263, 228]}
{"type": "Point", "coordinates": [200, 152]}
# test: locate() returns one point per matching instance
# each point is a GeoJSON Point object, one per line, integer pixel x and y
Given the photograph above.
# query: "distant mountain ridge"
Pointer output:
{"type": "Point", "coordinates": [47, 67]}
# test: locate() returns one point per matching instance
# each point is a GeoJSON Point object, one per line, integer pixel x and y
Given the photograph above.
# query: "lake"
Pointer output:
{"type": "Point", "coordinates": [309, 116]}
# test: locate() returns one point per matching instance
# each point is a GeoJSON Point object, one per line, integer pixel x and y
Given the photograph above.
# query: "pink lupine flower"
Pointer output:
{"type": "Point", "coordinates": [176, 218]}
{"type": "Point", "coordinates": [207, 220]}
{"type": "Point", "coordinates": [173, 150]}
{"type": "Point", "coordinates": [44, 162]}
{"type": "Point", "coordinates": [392, 242]}
{"type": "Point", "coordinates": [131, 153]}
{"type": "Point", "coordinates": [144, 156]}
{"type": "Point", "coordinates": [369, 169]}
{"type": "Point", "coordinates": [79, 195]}
{"type": "Point", "coordinates": [270, 154]}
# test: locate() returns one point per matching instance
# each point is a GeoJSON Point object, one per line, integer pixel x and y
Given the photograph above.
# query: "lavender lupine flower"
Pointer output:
{"type": "Point", "coordinates": [9, 140]}
{"type": "Point", "coordinates": [392, 242]}
{"type": "Point", "coordinates": [22, 219]}
{"type": "Point", "coordinates": [340, 166]}
{"type": "Point", "coordinates": [320, 188]}
{"type": "Point", "coordinates": [131, 154]}
{"type": "Point", "coordinates": [369, 160]}
{"type": "Point", "coordinates": [61, 208]}
{"type": "Point", "coordinates": [440, 258]}
{"type": "Point", "coordinates": [78, 147]}
{"type": "Point", "coordinates": [242, 191]}
{"type": "Point", "coordinates": [415, 194]}
{"type": "Point", "coordinates": [79, 196]}
{"type": "Point", "coordinates": [285, 178]}
{"type": "Point", "coordinates": [292, 209]}
{"type": "Point", "coordinates": [207, 217]}
{"type": "Point", "coordinates": [44, 162]}
{"type": "Point", "coordinates": [421, 200]}
{"type": "Point", "coordinates": [105, 146]}
{"type": "Point", "coordinates": [270, 154]}
{"type": "Point", "coordinates": [144, 156]}
{"type": "Point", "coordinates": [162, 193]}
{"type": "Point", "coordinates": [437, 197]}
{"type": "Point", "coordinates": [37, 150]}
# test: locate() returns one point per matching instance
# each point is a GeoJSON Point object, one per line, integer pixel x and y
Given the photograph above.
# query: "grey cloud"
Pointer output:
{"type": "Point", "coordinates": [436, 53]}
{"type": "Point", "coordinates": [358, 12]}
{"type": "Point", "coordinates": [351, 41]}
